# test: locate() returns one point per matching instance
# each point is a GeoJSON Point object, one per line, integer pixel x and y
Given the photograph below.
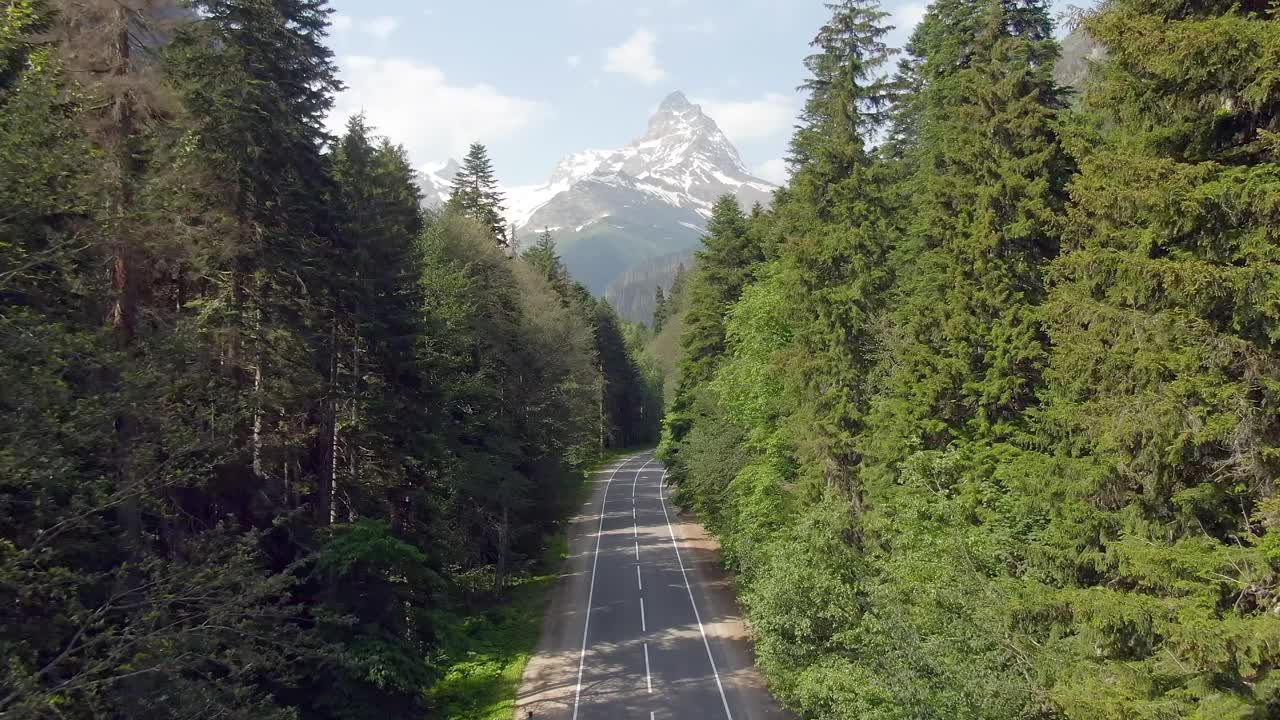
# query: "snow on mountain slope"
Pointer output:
{"type": "Point", "coordinates": [435, 182]}
{"type": "Point", "coordinates": [523, 201]}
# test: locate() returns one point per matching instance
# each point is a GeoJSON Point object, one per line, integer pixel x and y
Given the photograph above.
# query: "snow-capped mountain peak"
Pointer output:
{"type": "Point", "coordinates": [611, 208]}
{"type": "Point", "coordinates": [682, 160]}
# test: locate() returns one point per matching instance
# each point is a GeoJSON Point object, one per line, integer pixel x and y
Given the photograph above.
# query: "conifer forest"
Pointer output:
{"type": "Point", "coordinates": [983, 408]}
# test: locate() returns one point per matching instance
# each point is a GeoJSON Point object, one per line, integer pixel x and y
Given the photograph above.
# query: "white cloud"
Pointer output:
{"type": "Point", "coordinates": [703, 27]}
{"type": "Point", "coordinates": [379, 27]}
{"type": "Point", "coordinates": [416, 105]}
{"type": "Point", "coordinates": [904, 19]}
{"type": "Point", "coordinates": [574, 60]}
{"type": "Point", "coordinates": [635, 57]}
{"type": "Point", "coordinates": [775, 171]}
{"type": "Point", "coordinates": [763, 117]}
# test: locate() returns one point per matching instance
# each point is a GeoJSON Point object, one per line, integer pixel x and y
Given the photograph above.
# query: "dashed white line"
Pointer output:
{"type": "Point", "coordinates": [639, 583]}
{"type": "Point", "coordinates": [697, 616]}
{"type": "Point", "coordinates": [637, 551]}
{"type": "Point", "coordinates": [648, 680]}
{"type": "Point", "coordinates": [642, 627]}
{"type": "Point", "coordinates": [591, 591]}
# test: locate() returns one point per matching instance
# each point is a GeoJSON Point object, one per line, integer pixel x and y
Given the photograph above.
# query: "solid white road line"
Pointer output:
{"type": "Point", "coordinates": [696, 614]}
{"type": "Point", "coordinates": [591, 591]}
{"type": "Point", "coordinates": [642, 627]}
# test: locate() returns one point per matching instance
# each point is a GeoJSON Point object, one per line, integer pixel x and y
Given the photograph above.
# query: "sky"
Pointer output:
{"type": "Point", "coordinates": [535, 80]}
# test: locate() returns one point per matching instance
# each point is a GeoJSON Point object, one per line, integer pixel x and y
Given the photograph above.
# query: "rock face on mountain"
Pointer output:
{"type": "Point", "coordinates": [633, 293]}
{"type": "Point", "coordinates": [611, 209]}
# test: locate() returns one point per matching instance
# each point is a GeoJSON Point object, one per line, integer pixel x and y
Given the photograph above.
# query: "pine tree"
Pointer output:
{"type": "Point", "coordinates": [475, 192]}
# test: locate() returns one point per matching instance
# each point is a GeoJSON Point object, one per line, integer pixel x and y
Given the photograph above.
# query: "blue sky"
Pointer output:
{"type": "Point", "coordinates": [537, 79]}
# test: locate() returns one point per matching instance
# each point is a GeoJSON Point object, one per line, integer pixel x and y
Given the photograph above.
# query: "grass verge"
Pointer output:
{"type": "Point", "coordinates": [486, 653]}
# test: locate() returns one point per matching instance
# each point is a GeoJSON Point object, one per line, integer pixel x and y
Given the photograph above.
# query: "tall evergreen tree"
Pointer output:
{"type": "Point", "coordinates": [259, 82]}
{"type": "Point", "coordinates": [725, 262]}
{"type": "Point", "coordinates": [659, 309]}
{"type": "Point", "coordinates": [988, 199]}
{"type": "Point", "coordinates": [475, 192]}
{"type": "Point", "coordinates": [544, 256]}
{"type": "Point", "coordinates": [836, 221]}
{"type": "Point", "coordinates": [848, 101]}
{"type": "Point", "coordinates": [1163, 377]}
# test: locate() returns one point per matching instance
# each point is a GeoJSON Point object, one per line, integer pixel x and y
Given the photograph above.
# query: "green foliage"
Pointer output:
{"type": "Point", "coordinates": [725, 265]}
{"type": "Point", "coordinates": [475, 193]}
{"type": "Point", "coordinates": [993, 431]}
{"type": "Point", "coordinates": [485, 654]}
{"type": "Point", "coordinates": [267, 423]}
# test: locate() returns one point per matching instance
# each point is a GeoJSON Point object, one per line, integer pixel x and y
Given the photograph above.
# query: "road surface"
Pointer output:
{"type": "Point", "coordinates": [643, 623]}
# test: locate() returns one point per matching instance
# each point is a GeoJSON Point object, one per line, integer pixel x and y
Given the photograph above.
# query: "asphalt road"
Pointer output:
{"type": "Point", "coordinates": [644, 623]}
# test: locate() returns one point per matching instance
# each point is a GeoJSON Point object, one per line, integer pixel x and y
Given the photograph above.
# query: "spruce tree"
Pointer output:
{"type": "Point", "coordinates": [1163, 378]}
{"type": "Point", "coordinates": [659, 309]}
{"type": "Point", "coordinates": [543, 256]}
{"type": "Point", "coordinates": [258, 82]}
{"type": "Point", "coordinates": [725, 262]}
{"type": "Point", "coordinates": [475, 192]}
{"type": "Point", "coordinates": [724, 267]}
{"type": "Point", "coordinates": [376, 316]}
{"type": "Point", "coordinates": [988, 195]}
{"type": "Point", "coordinates": [836, 220]}
{"type": "Point", "coordinates": [848, 100]}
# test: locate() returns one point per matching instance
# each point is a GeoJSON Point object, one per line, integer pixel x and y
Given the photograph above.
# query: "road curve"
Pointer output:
{"type": "Point", "coordinates": [643, 623]}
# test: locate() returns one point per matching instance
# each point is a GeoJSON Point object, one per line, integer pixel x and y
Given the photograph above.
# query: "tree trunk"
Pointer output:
{"type": "Point", "coordinates": [353, 445]}
{"type": "Point", "coordinates": [500, 570]}
{"type": "Point", "coordinates": [326, 506]}
{"type": "Point", "coordinates": [123, 314]}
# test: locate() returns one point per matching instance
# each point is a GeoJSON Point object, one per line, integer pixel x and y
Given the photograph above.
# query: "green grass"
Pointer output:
{"type": "Point", "coordinates": [491, 653]}
{"type": "Point", "coordinates": [486, 653]}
